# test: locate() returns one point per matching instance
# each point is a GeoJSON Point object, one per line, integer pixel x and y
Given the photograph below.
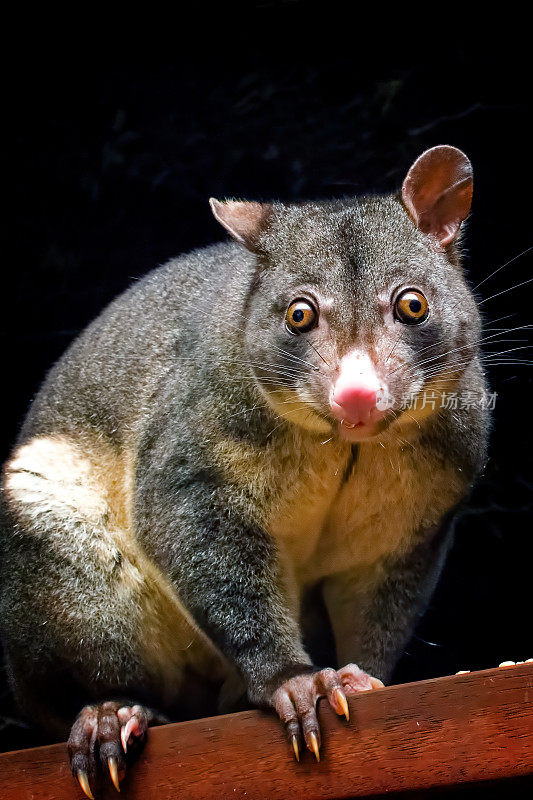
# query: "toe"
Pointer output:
{"type": "Point", "coordinates": [329, 684]}
{"type": "Point", "coordinates": [111, 752]}
{"type": "Point", "coordinates": [287, 713]}
{"type": "Point", "coordinates": [355, 680]}
{"type": "Point", "coordinates": [81, 746]}
{"type": "Point", "coordinates": [134, 721]}
{"type": "Point", "coordinates": [305, 704]}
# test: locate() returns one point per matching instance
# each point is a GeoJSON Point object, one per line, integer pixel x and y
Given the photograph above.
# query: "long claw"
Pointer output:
{"type": "Point", "coordinates": [126, 731]}
{"type": "Point", "coordinates": [113, 771]}
{"type": "Point", "coordinates": [342, 701]}
{"type": "Point", "coordinates": [314, 745]}
{"type": "Point", "coordinates": [376, 683]}
{"type": "Point", "coordinates": [83, 780]}
{"type": "Point", "coordinates": [295, 747]}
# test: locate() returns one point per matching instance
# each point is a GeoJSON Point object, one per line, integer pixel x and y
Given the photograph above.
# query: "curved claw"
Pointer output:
{"type": "Point", "coordinates": [83, 780]}
{"type": "Point", "coordinates": [295, 747]}
{"type": "Point", "coordinates": [113, 771]}
{"type": "Point", "coordinates": [314, 745]}
{"type": "Point", "coordinates": [341, 699]}
{"type": "Point", "coordinates": [124, 736]}
{"type": "Point", "coordinates": [126, 731]}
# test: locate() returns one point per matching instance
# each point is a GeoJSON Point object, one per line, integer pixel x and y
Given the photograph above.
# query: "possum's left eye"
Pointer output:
{"type": "Point", "coordinates": [301, 316]}
{"type": "Point", "coordinates": [411, 307]}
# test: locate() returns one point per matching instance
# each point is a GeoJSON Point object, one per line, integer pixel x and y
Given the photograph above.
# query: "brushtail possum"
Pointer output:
{"type": "Point", "coordinates": [230, 435]}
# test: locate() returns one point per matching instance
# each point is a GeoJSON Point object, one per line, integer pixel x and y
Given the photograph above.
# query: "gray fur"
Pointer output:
{"type": "Point", "coordinates": [173, 372]}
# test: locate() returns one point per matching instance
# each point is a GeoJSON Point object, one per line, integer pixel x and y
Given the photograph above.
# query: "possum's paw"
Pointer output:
{"type": "Point", "coordinates": [295, 701]}
{"type": "Point", "coordinates": [355, 680]}
{"type": "Point", "coordinates": [103, 733]}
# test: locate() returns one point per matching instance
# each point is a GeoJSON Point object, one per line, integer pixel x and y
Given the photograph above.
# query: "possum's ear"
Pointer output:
{"type": "Point", "coordinates": [437, 191]}
{"type": "Point", "coordinates": [245, 221]}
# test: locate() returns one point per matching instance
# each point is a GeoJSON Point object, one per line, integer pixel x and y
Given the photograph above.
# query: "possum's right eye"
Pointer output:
{"type": "Point", "coordinates": [301, 316]}
{"type": "Point", "coordinates": [411, 307]}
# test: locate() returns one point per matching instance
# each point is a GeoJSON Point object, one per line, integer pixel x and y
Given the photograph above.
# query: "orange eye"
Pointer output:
{"type": "Point", "coordinates": [411, 307]}
{"type": "Point", "coordinates": [301, 316]}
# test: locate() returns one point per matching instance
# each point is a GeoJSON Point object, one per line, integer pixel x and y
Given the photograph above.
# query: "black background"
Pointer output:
{"type": "Point", "coordinates": [115, 157]}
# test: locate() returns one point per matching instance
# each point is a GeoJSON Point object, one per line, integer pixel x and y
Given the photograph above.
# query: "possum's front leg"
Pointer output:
{"type": "Point", "coordinates": [373, 612]}
{"type": "Point", "coordinates": [226, 571]}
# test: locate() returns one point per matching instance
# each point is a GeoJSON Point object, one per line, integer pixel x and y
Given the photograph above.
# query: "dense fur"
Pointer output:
{"type": "Point", "coordinates": [177, 486]}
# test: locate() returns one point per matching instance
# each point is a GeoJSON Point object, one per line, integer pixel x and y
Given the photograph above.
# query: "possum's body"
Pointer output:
{"type": "Point", "coordinates": [166, 511]}
{"type": "Point", "coordinates": [73, 482]}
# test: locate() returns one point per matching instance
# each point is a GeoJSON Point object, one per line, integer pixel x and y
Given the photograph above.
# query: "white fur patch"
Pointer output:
{"type": "Point", "coordinates": [49, 474]}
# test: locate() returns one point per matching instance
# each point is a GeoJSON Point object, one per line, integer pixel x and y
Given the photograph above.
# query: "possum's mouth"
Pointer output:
{"type": "Point", "coordinates": [357, 431]}
{"type": "Point", "coordinates": [352, 425]}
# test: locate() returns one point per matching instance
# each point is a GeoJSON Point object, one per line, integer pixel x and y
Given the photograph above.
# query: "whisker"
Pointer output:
{"type": "Point", "coordinates": [393, 347]}
{"type": "Point", "coordinates": [507, 263]}
{"type": "Point", "coordinates": [510, 350]}
{"type": "Point", "coordinates": [414, 419]}
{"type": "Point", "coordinates": [436, 369]}
{"type": "Point", "coordinates": [466, 346]}
{"type": "Point", "coordinates": [504, 291]}
{"type": "Point", "coordinates": [318, 354]}
{"type": "Point", "coordinates": [301, 408]}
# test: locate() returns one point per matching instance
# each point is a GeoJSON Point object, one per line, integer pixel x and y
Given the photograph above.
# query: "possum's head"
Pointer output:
{"type": "Point", "coordinates": [359, 308]}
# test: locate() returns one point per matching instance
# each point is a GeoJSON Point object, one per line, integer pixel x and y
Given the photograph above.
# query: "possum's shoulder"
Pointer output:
{"type": "Point", "coordinates": [118, 361]}
{"type": "Point", "coordinates": [204, 270]}
{"type": "Point", "coordinates": [148, 311]}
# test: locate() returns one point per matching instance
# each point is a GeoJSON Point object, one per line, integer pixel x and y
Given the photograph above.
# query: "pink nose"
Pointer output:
{"type": "Point", "coordinates": [354, 402]}
{"type": "Point", "coordinates": [354, 395]}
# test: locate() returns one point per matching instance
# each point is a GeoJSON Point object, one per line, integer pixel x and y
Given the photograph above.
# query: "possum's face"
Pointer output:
{"type": "Point", "coordinates": [360, 317]}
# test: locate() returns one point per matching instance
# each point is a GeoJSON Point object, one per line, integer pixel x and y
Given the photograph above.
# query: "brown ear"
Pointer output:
{"type": "Point", "coordinates": [245, 221]}
{"type": "Point", "coordinates": [437, 191]}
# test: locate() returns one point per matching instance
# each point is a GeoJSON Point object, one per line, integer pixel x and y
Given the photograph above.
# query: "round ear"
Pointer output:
{"type": "Point", "coordinates": [437, 191]}
{"type": "Point", "coordinates": [244, 221]}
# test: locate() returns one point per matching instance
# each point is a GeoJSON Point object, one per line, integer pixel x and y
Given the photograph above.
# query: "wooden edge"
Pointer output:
{"type": "Point", "coordinates": [442, 732]}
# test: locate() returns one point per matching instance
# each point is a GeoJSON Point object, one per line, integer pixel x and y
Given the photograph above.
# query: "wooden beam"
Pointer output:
{"type": "Point", "coordinates": [441, 732]}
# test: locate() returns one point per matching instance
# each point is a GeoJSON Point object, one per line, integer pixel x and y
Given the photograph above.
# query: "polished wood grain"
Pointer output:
{"type": "Point", "coordinates": [441, 732]}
